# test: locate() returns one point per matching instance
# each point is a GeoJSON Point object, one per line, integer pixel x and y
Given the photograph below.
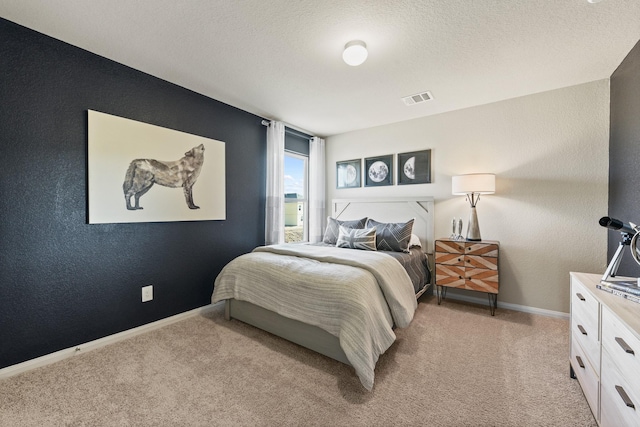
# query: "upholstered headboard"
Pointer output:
{"type": "Point", "coordinates": [392, 210]}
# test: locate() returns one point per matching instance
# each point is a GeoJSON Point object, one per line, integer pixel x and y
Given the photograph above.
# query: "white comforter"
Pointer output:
{"type": "Point", "coordinates": [320, 286]}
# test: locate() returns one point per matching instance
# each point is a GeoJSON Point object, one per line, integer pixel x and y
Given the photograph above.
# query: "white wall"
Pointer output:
{"type": "Point", "coordinates": [549, 152]}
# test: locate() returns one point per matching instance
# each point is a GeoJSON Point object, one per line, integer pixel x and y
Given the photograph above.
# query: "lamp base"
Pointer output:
{"type": "Point", "coordinates": [473, 229]}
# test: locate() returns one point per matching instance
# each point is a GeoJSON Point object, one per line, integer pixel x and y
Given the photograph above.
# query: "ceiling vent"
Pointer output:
{"type": "Point", "coordinates": [417, 98]}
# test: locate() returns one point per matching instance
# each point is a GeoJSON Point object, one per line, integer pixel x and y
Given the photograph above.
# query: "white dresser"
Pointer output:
{"type": "Point", "coordinates": [605, 351]}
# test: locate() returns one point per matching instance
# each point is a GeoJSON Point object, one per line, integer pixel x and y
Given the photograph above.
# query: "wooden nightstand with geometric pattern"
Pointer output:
{"type": "Point", "coordinates": [469, 265]}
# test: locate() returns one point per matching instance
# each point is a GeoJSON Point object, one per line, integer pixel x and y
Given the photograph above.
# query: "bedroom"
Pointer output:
{"type": "Point", "coordinates": [65, 282]}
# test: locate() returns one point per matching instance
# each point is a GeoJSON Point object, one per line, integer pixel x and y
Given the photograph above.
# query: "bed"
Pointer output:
{"type": "Point", "coordinates": [342, 303]}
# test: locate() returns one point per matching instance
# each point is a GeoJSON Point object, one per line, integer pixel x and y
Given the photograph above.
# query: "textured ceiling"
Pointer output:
{"type": "Point", "coordinates": [281, 59]}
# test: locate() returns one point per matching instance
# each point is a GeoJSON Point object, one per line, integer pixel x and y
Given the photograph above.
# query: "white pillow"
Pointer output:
{"type": "Point", "coordinates": [414, 242]}
{"type": "Point", "coordinates": [357, 238]}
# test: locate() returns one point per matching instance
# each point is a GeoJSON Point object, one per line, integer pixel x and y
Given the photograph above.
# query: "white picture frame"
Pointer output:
{"type": "Point", "coordinates": [163, 169]}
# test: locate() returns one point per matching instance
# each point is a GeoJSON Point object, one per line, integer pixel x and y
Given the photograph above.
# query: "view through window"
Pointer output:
{"type": "Point", "coordinates": [295, 197]}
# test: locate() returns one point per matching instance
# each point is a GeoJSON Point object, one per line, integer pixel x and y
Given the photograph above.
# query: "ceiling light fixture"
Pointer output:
{"type": "Point", "coordinates": [355, 52]}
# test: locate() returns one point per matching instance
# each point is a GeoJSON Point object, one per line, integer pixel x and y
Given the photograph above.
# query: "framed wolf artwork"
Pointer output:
{"type": "Point", "coordinates": [144, 173]}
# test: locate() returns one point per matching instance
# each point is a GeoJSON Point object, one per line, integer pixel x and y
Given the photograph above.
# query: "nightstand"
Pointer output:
{"type": "Point", "coordinates": [468, 265]}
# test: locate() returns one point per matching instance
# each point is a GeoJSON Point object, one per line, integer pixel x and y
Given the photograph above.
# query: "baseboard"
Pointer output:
{"type": "Point", "coordinates": [509, 306]}
{"type": "Point", "coordinates": [48, 359]}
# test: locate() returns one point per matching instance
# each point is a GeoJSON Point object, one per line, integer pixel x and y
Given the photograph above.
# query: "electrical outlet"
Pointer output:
{"type": "Point", "coordinates": [147, 293]}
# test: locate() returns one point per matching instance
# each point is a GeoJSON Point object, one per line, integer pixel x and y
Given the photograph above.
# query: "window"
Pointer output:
{"type": "Point", "coordinates": [295, 197]}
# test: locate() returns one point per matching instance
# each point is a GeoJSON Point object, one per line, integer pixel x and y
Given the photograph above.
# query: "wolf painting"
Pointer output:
{"type": "Point", "coordinates": [143, 173]}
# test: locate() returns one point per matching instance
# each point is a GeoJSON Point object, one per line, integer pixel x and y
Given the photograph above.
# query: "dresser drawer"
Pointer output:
{"type": "Point", "coordinates": [587, 317]}
{"type": "Point", "coordinates": [586, 376]}
{"type": "Point", "coordinates": [587, 336]}
{"type": "Point", "coordinates": [623, 347]}
{"type": "Point", "coordinates": [582, 299]}
{"type": "Point", "coordinates": [619, 402]}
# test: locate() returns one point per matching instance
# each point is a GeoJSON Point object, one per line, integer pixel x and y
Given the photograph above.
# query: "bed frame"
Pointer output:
{"type": "Point", "coordinates": [382, 210]}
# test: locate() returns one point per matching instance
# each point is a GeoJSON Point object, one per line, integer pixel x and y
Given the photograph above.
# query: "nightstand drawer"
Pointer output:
{"type": "Point", "coordinates": [619, 401]}
{"type": "Point", "coordinates": [449, 275]}
{"type": "Point", "coordinates": [481, 279]}
{"type": "Point", "coordinates": [450, 246]}
{"type": "Point", "coordinates": [476, 261]}
{"type": "Point", "coordinates": [447, 258]}
{"type": "Point", "coordinates": [482, 249]}
{"type": "Point", "coordinates": [623, 347]}
{"type": "Point", "coordinates": [586, 376]}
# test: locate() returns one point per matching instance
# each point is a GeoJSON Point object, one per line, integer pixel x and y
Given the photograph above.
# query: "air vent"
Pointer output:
{"type": "Point", "coordinates": [418, 98]}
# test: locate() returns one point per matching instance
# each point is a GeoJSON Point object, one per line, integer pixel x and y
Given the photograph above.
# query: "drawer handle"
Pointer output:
{"type": "Point", "coordinates": [625, 397]}
{"type": "Point", "coordinates": [624, 346]}
{"type": "Point", "coordinates": [582, 330]}
{"type": "Point", "coordinates": [580, 297]}
{"type": "Point", "coordinates": [580, 362]}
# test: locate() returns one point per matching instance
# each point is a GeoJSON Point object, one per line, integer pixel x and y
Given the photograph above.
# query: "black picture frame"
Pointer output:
{"type": "Point", "coordinates": [378, 171]}
{"type": "Point", "coordinates": [349, 173]}
{"type": "Point", "coordinates": [414, 167]}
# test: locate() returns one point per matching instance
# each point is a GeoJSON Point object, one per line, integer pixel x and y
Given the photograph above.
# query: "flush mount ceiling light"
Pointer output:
{"type": "Point", "coordinates": [355, 52]}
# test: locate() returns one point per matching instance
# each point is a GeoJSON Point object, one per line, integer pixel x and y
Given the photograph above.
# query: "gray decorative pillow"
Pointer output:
{"type": "Point", "coordinates": [392, 236]}
{"type": "Point", "coordinates": [333, 228]}
{"type": "Point", "coordinates": [357, 238]}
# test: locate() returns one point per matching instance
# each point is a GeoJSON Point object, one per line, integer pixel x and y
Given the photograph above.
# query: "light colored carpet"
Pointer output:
{"type": "Point", "coordinates": [455, 365]}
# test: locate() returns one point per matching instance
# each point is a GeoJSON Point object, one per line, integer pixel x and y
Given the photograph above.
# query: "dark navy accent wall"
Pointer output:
{"type": "Point", "coordinates": [64, 282]}
{"type": "Point", "coordinates": [624, 153]}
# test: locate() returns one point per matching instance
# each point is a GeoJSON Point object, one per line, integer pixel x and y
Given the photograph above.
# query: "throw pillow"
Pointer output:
{"type": "Point", "coordinates": [392, 236]}
{"type": "Point", "coordinates": [333, 228]}
{"type": "Point", "coordinates": [357, 238]}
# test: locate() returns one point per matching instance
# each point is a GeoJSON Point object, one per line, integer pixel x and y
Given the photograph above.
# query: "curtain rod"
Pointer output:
{"type": "Point", "coordinates": [289, 130]}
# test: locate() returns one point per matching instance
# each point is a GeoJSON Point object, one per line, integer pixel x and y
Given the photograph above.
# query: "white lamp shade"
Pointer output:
{"type": "Point", "coordinates": [355, 53]}
{"type": "Point", "coordinates": [478, 183]}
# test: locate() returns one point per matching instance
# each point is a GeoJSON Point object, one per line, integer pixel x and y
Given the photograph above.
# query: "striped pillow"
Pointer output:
{"type": "Point", "coordinates": [332, 230]}
{"type": "Point", "coordinates": [357, 238]}
{"type": "Point", "coordinates": [392, 236]}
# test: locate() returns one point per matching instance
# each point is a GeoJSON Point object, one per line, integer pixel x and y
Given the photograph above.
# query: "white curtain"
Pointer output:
{"type": "Point", "coordinates": [316, 189]}
{"type": "Point", "coordinates": [274, 218]}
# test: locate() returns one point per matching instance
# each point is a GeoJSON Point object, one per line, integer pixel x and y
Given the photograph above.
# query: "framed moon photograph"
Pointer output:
{"type": "Point", "coordinates": [378, 171]}
{"type": "Point", "coordinates": [414, 167]}
{"type": "Point", "coordinates": [348, 174]}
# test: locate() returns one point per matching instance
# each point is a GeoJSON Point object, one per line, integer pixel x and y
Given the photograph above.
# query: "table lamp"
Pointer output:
{"type": "Point", "coordinates": [473, 185]}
